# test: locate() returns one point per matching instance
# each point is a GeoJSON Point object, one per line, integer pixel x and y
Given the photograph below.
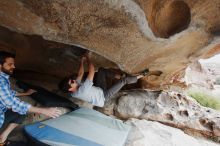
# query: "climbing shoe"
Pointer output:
{"type": "Point", "coordinates": [145, 72]}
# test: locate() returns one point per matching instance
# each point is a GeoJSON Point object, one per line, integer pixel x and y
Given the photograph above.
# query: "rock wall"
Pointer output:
{"type": "Point", "coordinates": [36, 55]}
{"type": "Point", "coordinates": [166, 17]}
{"type": "Point", "coordinates": [134, 34]}
{"type": "Point", "coordinates": [167, 107]}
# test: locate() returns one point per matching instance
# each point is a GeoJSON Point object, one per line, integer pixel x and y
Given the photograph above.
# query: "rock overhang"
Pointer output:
{"type": "Point", "coordinates": [129, 33]}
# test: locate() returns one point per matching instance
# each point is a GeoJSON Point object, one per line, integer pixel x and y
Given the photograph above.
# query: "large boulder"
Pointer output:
{"type": "Point", "coordinates": [167, 107]}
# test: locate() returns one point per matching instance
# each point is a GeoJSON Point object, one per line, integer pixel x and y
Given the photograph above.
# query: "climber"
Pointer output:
{"type": "Point", "coordinates": [98, 93]}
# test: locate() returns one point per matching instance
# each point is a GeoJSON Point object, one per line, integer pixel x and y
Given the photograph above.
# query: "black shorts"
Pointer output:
{"type": "Point", "coordinates": [13, 117]}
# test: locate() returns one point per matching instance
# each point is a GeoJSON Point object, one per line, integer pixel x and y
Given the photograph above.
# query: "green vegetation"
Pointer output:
{"type": "Point", "coordinates": [205, 99]}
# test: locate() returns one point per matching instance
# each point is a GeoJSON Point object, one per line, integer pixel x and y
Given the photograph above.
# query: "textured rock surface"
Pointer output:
{"type": "Point", "coordinates": [197, 75]}
{"type": "Point", "coordinates": [171, 108]}
{"type": "Point", "coordinates": [38, 55]}
{"type": "Point", "coordinates": [123, 31]}
{"type": "Point", "coordinates": [166, 17]}
{"type": "Point", "coordinates": [147, 133]}
{"type": "Point", "coordinates": [203, 76]}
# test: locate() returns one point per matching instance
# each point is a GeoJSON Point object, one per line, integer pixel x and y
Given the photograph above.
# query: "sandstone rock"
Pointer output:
{"type": "Point", "coordinates": [147, 133]}
{"type": "Point", "coordinates": [166, 17]}
{"type": "Point", "coordinates": [203, 75]}
{"type": "Point", "coordinates": [34, 55]}
{"type": "Point", "coordinates": [171, 108]}
{"type": "Point", "coordinates": [203, 14]}
{"type": "Point", "coordinates": [197, 75]}
{"type": "Point", "coordinates": [122, 30]}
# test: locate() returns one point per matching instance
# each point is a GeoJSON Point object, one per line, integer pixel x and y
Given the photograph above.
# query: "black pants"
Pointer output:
{"type": "Point", "coordinates": [13, 117]}
{"type": "Point", "coordinates": [101, 81]}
